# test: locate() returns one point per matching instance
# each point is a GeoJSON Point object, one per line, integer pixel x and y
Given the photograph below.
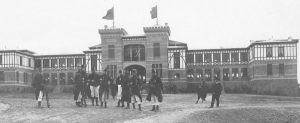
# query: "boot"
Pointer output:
{"type": "Point", "coordinates": [119, 103]}
{"type": "Point", "coordinates": [133, 105]}
{"type": "Point", "coordinates": [101, 104]}
{"type": "Point", "coordinates": [39, 104]}
{"type": "Point", "coordinates": [153, 108]}
{"type": "Point", "coordinates": [157, 108]}
{"type": "Point", "coordinates": [122, 103]}
{"type": "Point", "coordinates": [105, 106]}
{"type": "Point", "coordinates": [97, 104]}
{"type": "Point", "coordinates": [128, 106]}
{"type": "Point", "coordinates": [140, 108]}
{"type": "Point", "coordinates": [92, 101]}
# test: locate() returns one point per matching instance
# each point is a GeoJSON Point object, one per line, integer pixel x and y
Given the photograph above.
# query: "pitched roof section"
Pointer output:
{"type": "Point", "coordinates": [98, 46]}
{"type": "Point", "coordinates": [176, 43]}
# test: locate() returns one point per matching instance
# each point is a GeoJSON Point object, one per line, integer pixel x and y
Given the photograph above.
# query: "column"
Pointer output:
{"type": "Point", "coordinates": [42, 62]}
{"type": "Point", "coordinates": [221, 74]}
{"type": "Point", "coordinates": [202, 58]}
{"type": "Point", "coordinates": [212, 58]}
{"type": "Point", "coordinates": [221, 57]}
{"type": "Point", "coordinates": [194, 59]}
{"type": "Point", "coordinates": [239, 57]}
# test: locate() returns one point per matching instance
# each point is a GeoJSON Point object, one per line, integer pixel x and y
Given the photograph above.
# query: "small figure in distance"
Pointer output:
{"type": "Point", "coordinates": [202, 91]}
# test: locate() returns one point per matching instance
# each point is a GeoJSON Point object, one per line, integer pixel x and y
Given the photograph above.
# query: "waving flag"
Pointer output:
{"type": "Point", "coordinates": [109, 15]}
{"type": "Point", "coordinates": [153, 12]}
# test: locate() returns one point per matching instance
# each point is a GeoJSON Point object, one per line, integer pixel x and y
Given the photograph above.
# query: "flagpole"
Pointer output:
{"type": "Point", "coordinates": [156, 14]}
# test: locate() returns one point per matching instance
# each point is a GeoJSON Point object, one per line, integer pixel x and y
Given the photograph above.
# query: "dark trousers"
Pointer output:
{"type": "Point", "coordinates": [215, 97]}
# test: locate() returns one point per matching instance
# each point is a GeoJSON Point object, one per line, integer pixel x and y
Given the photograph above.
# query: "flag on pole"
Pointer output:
{"type": "Point", "coordinates": [153, 12]}
{"type": "Point", "coordinates": [109, 15]}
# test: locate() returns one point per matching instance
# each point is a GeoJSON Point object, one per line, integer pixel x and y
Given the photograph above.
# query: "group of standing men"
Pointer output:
{"type": "Point", "coordinates": [128, 89]}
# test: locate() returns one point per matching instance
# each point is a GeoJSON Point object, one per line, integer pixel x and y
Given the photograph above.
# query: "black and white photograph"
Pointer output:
{"type": "Point", "coordinates": [149, 61]}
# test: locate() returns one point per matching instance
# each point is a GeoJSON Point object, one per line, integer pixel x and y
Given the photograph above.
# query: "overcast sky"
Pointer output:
{"type": "Point", "coordinates": [70, 26]}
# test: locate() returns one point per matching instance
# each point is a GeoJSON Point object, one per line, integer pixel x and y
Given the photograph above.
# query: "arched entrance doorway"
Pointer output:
{"type": "Point", "coordinates": [141, 71]}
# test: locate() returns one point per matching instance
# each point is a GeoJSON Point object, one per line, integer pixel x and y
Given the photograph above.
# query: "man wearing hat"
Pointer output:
{"type": "Point", "coordinates": [80, 87]}
{"type": "Point", "coordinates": [126, 93]}
{"type": "Point", "coordinates": [94, 85]}
{"type": "Point", "coordinates": [39, 84]}
{"type": "Point", "coordinates": [216, 93]}
{"type": "Point", "coordinates": [155, 92]}
{"type": "Point", "coordinates": [105, 81]}
{"type": "Point", "coordinates": [135, 84]}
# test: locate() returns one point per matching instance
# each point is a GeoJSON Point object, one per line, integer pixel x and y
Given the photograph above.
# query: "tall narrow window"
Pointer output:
{"type": "Point", "coordinates": [199, 58]}
{"type": "Point", "coordinates": [94, 62]}
{"type": "Point", "coordinates": [21, 60]}
{"type": "Point", "coordinates": [207, 58]}
{"type": "Point", "coordinates": [176, 60]}
{"type": "Point", "coordinates": [70, 62]}
{"type": "Point", "coordinates": [156, 50]}
{"type": "Point", "coordinates": [78, 62]}
{"type": "Point", "coordinates": [29, 62]}
{"type": "Point", "coordinates": [244, 57]}
{"type": "Point", "coordinates": [37, 63]}
{"type": "Point", "coordinates": [54, 63]}
{"type": "Point", "coordinates": [0, 59]}
{"type": "Point", "coordinates": [1, 76]}
{"type": "Point", "coordinates": [281, 69]}
{"type": "Point", "coordinates": [111, 51]}
{"type": "Point", "coordinates": [208, 75]}
{"type": "Point", "coordinates": [62, 63]}
{"type": "Point", "coordinates": [234, 57]}
{"type": "Point", "coordinates": [244, 72]}
{"type": "Point", "coordinates": [269, 52]}
{"type": "Point", "coordinates": [190, 58]}
{"type": "Point", "coordinates": [46, 63]}
{"type": "Point", "coordinates": [217, 58]}
{"type": "Point", "coordinates": [269, 69]}
{"type": "Point", "coordinates": [157, 68]}
{"type": "Point", "coordinates": [17, 76]}
{"type": "Point", "coordinates": [190, 74]}
{"type": "Point", "coordinates": [226, 74]}
{"type": "Point", "coordinates": [225, 57]}
{"type": "Point", "coordinates": [280, 51]}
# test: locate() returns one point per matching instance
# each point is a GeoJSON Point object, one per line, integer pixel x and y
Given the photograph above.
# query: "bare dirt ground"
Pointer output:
{"type": "Point", "coordinates": [178, 108]}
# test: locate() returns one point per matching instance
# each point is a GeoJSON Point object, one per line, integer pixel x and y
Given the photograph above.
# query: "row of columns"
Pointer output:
{"type": "Point", "coordinates": [212, 57]}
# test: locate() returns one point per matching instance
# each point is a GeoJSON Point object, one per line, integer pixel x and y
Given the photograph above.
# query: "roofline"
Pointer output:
{"type": "Point", "coordinates": [275, 42]}
{"type": "Point", "coordinates": [196, 50]}
{"type": "Point", "coordinates": [60, 55]}
{"type": "Point", "coordinates": [17, 51]}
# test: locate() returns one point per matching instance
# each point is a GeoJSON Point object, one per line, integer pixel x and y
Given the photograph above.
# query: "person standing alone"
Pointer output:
{"type": "Point", "coordinates": [216, 93]}
{"type": "Point", "coordinates": [39, 84]}
{"type": "Point", "coordinates": [155, 92]}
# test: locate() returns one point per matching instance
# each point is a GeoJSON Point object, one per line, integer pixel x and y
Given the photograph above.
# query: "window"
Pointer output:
{"type": "Point", "coordinates": [70, 62]}
{"type": "Point", "coordinates": [2, 76]}
{"type": "Point", "coordinates": [111, 51]}
{"type": "Point", "coordinates": [190, 74]}
{"type": "Point", "coordinates": [156, 50]}
{"type": "Point", "coordinates": [0, 59]}
{"type": "Point", "coordinates": [62, 78]}
{"type": "Point", "coordinates": [217, 74]}
{"type": "Point", "coordinates": [207, 58]}
{"type": "Point", "coordinates": [269, 52]}
{"type": "Point", "coordinates": [190, 58]}
{"type": "Point", "coordinates": [62, 63]}
{"type": "Point", "coordinates": [226, 74]}
{"type": "Point", "coordinates": [199, 74]}
{"type": "Point", "coordinates": [29, 62]}
{"type": "Point", "coordinates": [244, 57]}
{"type": "Point", "coordinates": [17, 76]}
{"type": "Point", "coordinates": [225, 57]}
{"type": "Point", "coordinates": [70, 78]}
{"type": "Point", "coordinates": [176, 60]}
{"type": "Point", "coordinates": [235, 73]}
{"type": "Point", "coordinates": [25, 77]}
{"type": "Point", "coordinates": [46, 77]}
{"type": "Point", "coordinates": [217, 57]}
{"type": "Point", "coordinates": [157, 68]}
{"type": "Point", "coordinates": [78, 62]}
{"type": "Point", "coordinates": [46, 63]}
{"type": "Point", "coordinates": [54, 63]}
{"type": "Point", "coordinates": [21, 60]}
{"type": "Point", "coordinates": [207, 74]}
{"type": "Point", "coordinates": [269, 69]}
{"type": "Point", "coordinates": [280, 51]}
{"type": "Point", "coordinates": [54, 78]}
{"type": "Point", "coordinates": [177, 76]}
{"type": "Point", "coordinates": [199, 58]}
{"type": "Point", "coordinates": [37, 63]}
{"type": "Point", "coordinates": [281, 69]}
{"type": "Point", "coordinates": [234, 57]}
{"type": "Point", "coordinates": [244, 72]}
{"type": "Point", "coordinates": [94, 62]}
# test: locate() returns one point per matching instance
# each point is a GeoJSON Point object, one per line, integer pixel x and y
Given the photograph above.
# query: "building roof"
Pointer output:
{"type": "Point", "coordinates": [98, 46]}
{"type": "Point", "coordinates": [176, 43]}
{"type": "Point", "coordinates": [278, 41]}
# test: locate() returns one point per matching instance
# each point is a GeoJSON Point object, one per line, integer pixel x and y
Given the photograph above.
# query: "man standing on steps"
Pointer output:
{"type": "Point", "coordinates": [39, 84]}
{"type": "Point", "coordinates": [155, 91]}
{"type": "Point", "coordinates": [216, 93]}
{"type": "Point", "coordinates": [119, 82]}
{"type": "Point", "coordinates": [94, 87]}
{"type": "Point", "coordinates": [105, 81]}
{"type": "Point", "coordinates": [135, 84]}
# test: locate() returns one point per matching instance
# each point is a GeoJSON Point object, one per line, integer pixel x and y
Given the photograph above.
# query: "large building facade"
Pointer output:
{"type": "Point", "coordinates": [265, 66]}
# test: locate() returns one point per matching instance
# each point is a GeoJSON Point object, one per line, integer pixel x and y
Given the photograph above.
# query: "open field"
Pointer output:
{"type": "Point", "coordinates": [234, 108]}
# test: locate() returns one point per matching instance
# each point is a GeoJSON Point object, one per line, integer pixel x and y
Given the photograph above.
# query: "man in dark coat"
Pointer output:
{"type": "Point", "coordinates": [94, 85]}
{"type": "Point", "coordinates": [202, 91]}
{"type": "Point", "coordinates": [119, 82]}
{"type": "Point", "coordinates": [155, 91]}
{"type": "Point", "coordinates": [216, 92]}
{"type": "Point", "coordinates": [135, 86]}
{"type": "Point", "coordinates": [104, 88]}
{"type": "Point", "coordinates": [80, 86]}
{"type": "Point", "coordinates": [126, 93]}
{"type": "Point", "coordinates": [39, 84]}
